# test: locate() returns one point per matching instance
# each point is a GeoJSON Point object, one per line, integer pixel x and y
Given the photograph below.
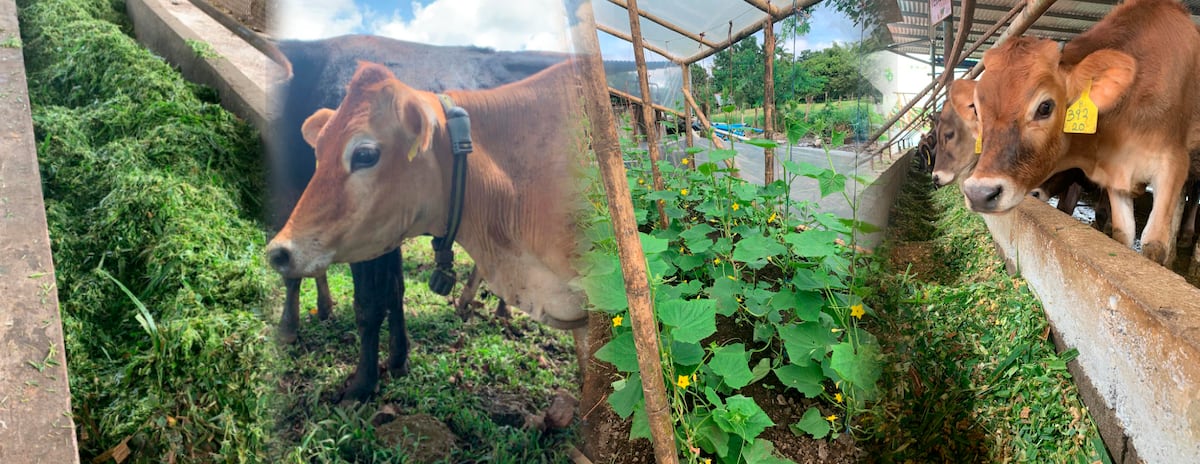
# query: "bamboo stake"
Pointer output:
{"type": "Point", "coordinates": [639, 56]}
{"type": "Point", "coordinates": [633, 99]}
{"type": "Point", "coordinates": [633, 260]}
{"type": "Point", "coordinates": [769, 101]}
{"type": "Point", "coordinates": [687, 116]}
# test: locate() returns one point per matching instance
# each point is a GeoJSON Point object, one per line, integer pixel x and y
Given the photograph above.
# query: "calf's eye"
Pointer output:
{"type": "Point", "coordinates": [364, 156]}
{"type": "Point", "coordinates": [949, 135]}
{"type": "Point", "coordinates": [1044, 110]}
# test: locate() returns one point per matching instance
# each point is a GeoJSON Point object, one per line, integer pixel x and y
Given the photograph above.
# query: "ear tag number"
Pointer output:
{"type": "Point", "coordinates": [1082, 115]}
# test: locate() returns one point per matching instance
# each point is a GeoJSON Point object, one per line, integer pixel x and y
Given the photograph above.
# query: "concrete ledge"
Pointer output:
{"type": "Point", "coordinates": [36, 424]}
{"type": "Point", "coordinates": [1136, 326]}
{"type": "Point", "coordinates": [240, 73]}
{"type": "Point", "coordinates": [875, 202]}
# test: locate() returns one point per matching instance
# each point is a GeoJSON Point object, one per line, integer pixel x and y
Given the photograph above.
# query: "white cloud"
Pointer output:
{"type": "Point", "coordinates": [512, 25]}
{"type": "Point", "coordinates": [316, 19]}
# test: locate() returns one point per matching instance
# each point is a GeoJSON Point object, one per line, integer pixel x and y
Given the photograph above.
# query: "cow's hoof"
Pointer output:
{"type": "Point", "coordinates": [324, 309]}
{"type": "Point", "coordinates": [394, 369]}
{"type": "Point", "coordinates": [287, 332]}
{"type": "Point", "coordinates": [1155, 251]}
{"type": "Point", "coordinates": [1185, 239]}
{"type": "Point", "coordinates": [354, 391]}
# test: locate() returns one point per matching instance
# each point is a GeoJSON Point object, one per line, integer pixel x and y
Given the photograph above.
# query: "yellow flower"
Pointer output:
{"type": "Point", "coordinates": [683, 381]}
{"type": "Point", "coordinates": [707, 461]}
{"type": "Point", "coordinates": [732, 278]}
{"type": "Point", "coordinates": [684, 162]}
{"type": "Point", "coordinates": [312, 311]}
{"type": "Point", "coordinates": [617, 321]}
{"type": "Point", "coordinates": [716, 260]}
{"type": "Point", "coordinates": [683, 192]}
{"type": "Point", "coordinates": [835, 330]}
{"type": "Point", "coordinates": [831, 417]}
{"type": "Point", "coordinates": [736, 206]}
{"type": "Point", "coordinates": [773, 216]}
{"type": "Point", "coordinates": [681, 250]}
{"type": "Point", "coordinates": [837, 397]}
{"type": "Point", "coordinates": [857, 311]}
{"type": "Point", "coordinates": [641, 181]}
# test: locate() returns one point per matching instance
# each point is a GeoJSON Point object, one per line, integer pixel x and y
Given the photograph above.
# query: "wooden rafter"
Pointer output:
{"type": "Point", "coordinates": [626, 37]}
{"type": "Point", "coordinates": [667, 24]}
{"type": "Point", "coordinates": [748, 31]}
{"type": "Point", "coordinates": [636, 99]}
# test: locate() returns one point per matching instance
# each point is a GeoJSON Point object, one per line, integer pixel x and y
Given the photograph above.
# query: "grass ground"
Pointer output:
{"type": "Point", "coordinates": [971, 375]}
{"type": "Point", "coordinates": [480, 378]}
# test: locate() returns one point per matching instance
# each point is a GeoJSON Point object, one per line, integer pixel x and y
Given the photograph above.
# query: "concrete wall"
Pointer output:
{"type": "Point", "coordinates": [1136, 326]}
{"type": "Point", "coordinates": [36, 424]}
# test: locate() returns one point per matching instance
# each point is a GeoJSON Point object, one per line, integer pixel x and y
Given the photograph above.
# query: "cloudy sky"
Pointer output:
{"type": "Point", "coordinates": [518, 25]}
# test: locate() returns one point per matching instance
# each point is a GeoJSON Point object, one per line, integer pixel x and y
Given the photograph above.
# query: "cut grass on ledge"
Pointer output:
{"type": "Point", "coordinates": [970, 373]}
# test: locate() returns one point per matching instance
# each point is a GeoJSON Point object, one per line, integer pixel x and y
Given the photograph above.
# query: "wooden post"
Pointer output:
{"type": "Point", "coordinates": [639, 55]}
{"type": "Point", "coordinates": [687, 116]}
{"type": "Point", "coordinates": [687, 96]}
{"type": "Point", "coordinates": [769, 100]}
{"type": "Point", "coordinates": [633, 261]}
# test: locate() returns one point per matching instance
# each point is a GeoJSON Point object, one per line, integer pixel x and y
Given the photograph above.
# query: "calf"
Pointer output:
{"type": "Point", "coordinates": [384, 174]}
{"type": "Point", "coordinates": [1139, 64]}
{"type": "Point", "coordinates": [320, 70]}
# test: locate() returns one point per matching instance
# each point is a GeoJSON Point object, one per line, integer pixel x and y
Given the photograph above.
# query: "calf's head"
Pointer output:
{"type": "Point", "coordinates": [1021, 103]}
{"type": "Point", "coordinates": [955, 150]}
{"type": "Point", "coordinates": [376, 180]}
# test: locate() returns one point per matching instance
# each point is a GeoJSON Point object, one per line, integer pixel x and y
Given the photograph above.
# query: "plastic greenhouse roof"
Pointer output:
{"type": "Point", "coordinates": [688, 31]}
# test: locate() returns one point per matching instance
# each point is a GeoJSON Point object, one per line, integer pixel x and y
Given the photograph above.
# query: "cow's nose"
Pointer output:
{"type": "Point", "coordinates": [279, 257]}
{"type": "Point", "coordinates": [937, 181]}
{"type": "Point", "coordinates": [983, 197]}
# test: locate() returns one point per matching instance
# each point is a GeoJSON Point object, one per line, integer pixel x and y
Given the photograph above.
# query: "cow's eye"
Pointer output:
{"type": "Point", "coordinates": [1044, 110]}
{"type": "Point", "coordinates": [949, 135]}
{"type": "Point", "coordinates": [364, 156]}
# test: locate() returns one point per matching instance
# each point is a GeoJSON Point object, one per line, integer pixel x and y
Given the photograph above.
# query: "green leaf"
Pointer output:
{"type": "Point", "coordinates": [754, 250]}
{"type": "Point", "coordinates": [620, 352]}
{"type": "Point", "coordinates": [728, 109]}
{"type": "Point", "coordinates": [804, 304]}
{"type": "Point", "coordinates": [812, 243]}
{"type": "Point", "coordinates": [831, 182]}
{"type": "Point", "coordinates": [805, 379]}
{"type": "Point", "coordinates": [760, 370]}
{"type": "Point", "coordinates": [725, 292]}
{"type": "Point", "coordinates": [807, 340]}
{"type": "Point", "coordinates": [859, 368]}
{"type": "Point", "coordinates": [687, 354]}
{"type": "Point", "coordinates": [797, 130]}
{"type": "Point", "coordinates": [652, 245]}
{"type": "Point", "coordinates": [689, 262]}
{"type": "Point", "coordinates": [627, 393]}
{"type": "Point", "coordinates": [763, 331]}
{"type": "Point", "coordinates": [717, 440]}
{"type": "Point", "coordinates": [717, 156]}
{"type": "Point", "coordinates": [864, 227]}
{"type": "Point", "coordinates": [731, 362]}
{"type": "Point", "coordinates": [762, 452]}
{"type": "Point", "coordinates": [606, 292]}
{"type": "Point", "coordinates": [662, 195]}
{"type": "Point", "coordinates": [696, 238]}
{"type": "Point", "coordinates": [812, 423]}
{"type": "Point", "coordinates": [694, 150]}
{"type": "Point", "coordinates": [691, 320]}
{"type": "Point", "coordinates": [741, 416]}
{"type": "Point", "coordinates": [762, 143]}
{"type": "Point", "coordinates": [838, 139]}
{"type": "Point", "coordinates": [807, 279]}
{"type": "Point", "coordinates": [641, 424]}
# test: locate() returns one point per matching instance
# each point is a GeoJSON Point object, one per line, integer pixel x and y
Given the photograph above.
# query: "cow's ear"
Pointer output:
{"type": "Point", "coordinates": [1111, 73]}
{"type": "Point", "coordinates": [313, 125]}
{"type": "Point", "coordinates": [962, 100]}
{"type": "Point", "coordinates": [419, 119]}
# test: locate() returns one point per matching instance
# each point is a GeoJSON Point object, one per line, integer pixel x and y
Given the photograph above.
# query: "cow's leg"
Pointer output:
{"type": "Point", "coordinates": [463, 306]}
{"type": "Point", "coordinates": [581, 347]}
{"type": "Point", "coordinates": [370, 307]}
{"type": "Point", "coordinates": [1121, 208]}
{"type": "Point", "coordinates": [502, 311]}
{"type": "Point", "coordinates": [324, 300]}
{"type": "Point", "coordinates": [1187, 231]}
{"type": "Point", "coordinates": [1070, 198]}
{"type": "Point", "coordinates": [1158, 240]}
{"type": "Point", "coordinates": [397, 363]}
{"type": "Point", "coordinates": [289, 321]}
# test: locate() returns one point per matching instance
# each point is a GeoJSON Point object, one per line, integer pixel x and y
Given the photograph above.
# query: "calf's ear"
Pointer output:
{"type": "Point", "coordinates": [1111, 73]}
{"type": "Point", "coordinates": [313, 125]}
{"type": "Point", "coordinates": [962, 100]}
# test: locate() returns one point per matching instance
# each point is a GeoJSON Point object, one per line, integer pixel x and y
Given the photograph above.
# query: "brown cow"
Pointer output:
{"type": "Point", "coordinates": [383, 175]}
{"type": "Point", "coordinates": [954, 152]}
{"type": "Point", "coordinates": [1140, 62]}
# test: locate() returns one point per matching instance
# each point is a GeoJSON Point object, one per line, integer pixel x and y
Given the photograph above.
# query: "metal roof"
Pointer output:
{"type": "Point", "coordinates": [1063, 21]}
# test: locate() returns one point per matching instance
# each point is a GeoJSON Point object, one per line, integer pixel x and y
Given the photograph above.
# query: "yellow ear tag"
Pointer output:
{"type": "Point", "coordinates": [978, 145]}
{"type": "Point", "coordinates": [412, 152]}
{"type": "Point", "coordinates": [1082, 115]}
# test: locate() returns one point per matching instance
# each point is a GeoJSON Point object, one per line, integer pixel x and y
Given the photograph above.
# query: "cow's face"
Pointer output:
{"type": "Point", "coordinates": [955, 149]}
{"type": "Point", "coordinates": [376, 180]}
{"type": "Point", "coordinates": [1021, 105]}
